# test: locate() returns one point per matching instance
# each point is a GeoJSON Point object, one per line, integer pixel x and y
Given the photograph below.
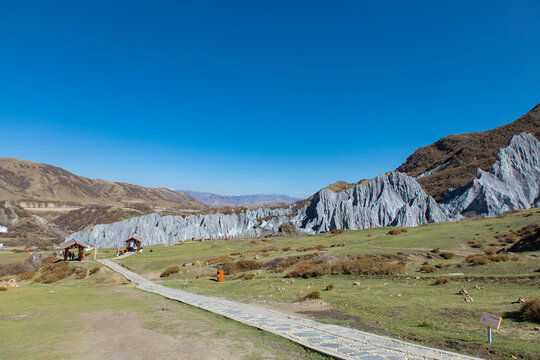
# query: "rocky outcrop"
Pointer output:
{"type": "Point", "coordinates": [512, 183]}
{"type": "Point", "coordinates": [393, 200]}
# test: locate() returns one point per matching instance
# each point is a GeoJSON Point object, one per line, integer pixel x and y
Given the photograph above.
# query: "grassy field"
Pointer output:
{"type": "Point", "coordinates": [407, 305]}
{"type": "Point", "coordinates": [103, 316]}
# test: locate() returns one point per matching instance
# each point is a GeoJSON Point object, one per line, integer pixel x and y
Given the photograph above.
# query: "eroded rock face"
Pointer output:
{"type": "Point", "coordinates": [512, 183]}
{"type": "Point", "coordinates": [396, 200]}
{"type": "Point", "coordinates": [393, 200]}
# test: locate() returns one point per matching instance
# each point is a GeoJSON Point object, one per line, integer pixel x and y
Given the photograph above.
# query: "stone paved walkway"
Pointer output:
{"type": "Point", "coordinates": [337, 341]}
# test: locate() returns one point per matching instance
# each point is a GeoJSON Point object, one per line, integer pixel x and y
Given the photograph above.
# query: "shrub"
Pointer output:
{"type": "Point", "coordinates": [255, 242]}
{"type": "Point", "coordinates": [287, 248]}
{"type": "Point", "coordinates": [54, 272]}
{"type": "Point", "coordinates": [288, 229]}
{"type": "Point", "coordinates": [424, 323]}
{"type": "Point", "coordinates": [219, 260]}
{"type": "Point", "coordinates": [442, 266]}
{"type": "Point", "coordinates": [427, 268]}
{"type": "Point", "coordinates": [447, 255]}
{"type": "Point", "coordinates": [27, 275]}
{"type": "Point", "coordinates": [169, 271]}
{"type": "Point", "coordinates": [318, 247]}
{"type": "Point", "coordinates": [269, 241]}
{"type": "Point", "coordinates": [3, 288]}
{"type": "Point", "coordinates": [359, 265]}
{"type": "Point", "coordinates": [246, 265]}
{"type": "Point", "coordinates": [329, 287]}
{"type": "Point", "coordinates": [507, 238]}
{"type": "Point", "coordinates": [249, 276]}
{"type": "Point", "coordinates": [441, 280]}
{"type": "Point", "coordinates": [530, 310]}
{"type": "Point", "coordinates": [477, 259]}
{"type": "Point", "coordinates": [80, 273]}
{"type": "Point", "coordinates": [312, 295]}
{"type": "Point", "coordinates": [435, 251]}
{"type": "Point", "coordinates": [337, 231]}
{"type": "Point", "coordinates": [397, 231]}
{"type": "Point", "coordinates": [490, 250]}
{"type": "Point", "coordinates": [475, 244]}
{"type": "Point", "coordinates": [93, 271]}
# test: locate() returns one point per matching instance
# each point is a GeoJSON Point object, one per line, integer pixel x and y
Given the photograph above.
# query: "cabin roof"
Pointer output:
{"type": "Point", "coordinates": [135, 237]}
{"type": "Point", "coordinates": [71, 242]}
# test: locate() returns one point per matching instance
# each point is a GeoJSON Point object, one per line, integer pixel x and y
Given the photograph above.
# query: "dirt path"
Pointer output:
{"type": "Point", "coordinates": [333, 340]}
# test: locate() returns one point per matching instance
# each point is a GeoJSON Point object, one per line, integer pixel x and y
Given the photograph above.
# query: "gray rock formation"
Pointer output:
{"type": "Point", "coordinates": [393, 200]}
{"type": "Point", "coordinates": [396, 200]}
{"type": "Point", "coordinates": [512, 183]}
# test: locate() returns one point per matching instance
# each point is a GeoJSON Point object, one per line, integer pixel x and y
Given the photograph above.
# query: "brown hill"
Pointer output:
{"type": "Point", "coordinates": [458, 156]}
{"type": "Point", "coordinates": [28, 181]}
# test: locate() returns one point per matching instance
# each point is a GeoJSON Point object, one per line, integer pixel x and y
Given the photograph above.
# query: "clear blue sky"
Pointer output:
{"type": "Point", "coordinates": [256, 96]}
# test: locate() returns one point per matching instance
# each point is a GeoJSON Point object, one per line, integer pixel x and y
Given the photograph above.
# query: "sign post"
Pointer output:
{"type": "Point", "coordinates": [491, 321]}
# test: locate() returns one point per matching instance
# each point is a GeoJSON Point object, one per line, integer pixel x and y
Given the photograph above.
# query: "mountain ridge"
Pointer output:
{"type": "Point", "coordinates": [451, 162]}
{"type": "Point", "coordinates": [248, 200]}
{"type": "Point", "coordinates": [27, 181]}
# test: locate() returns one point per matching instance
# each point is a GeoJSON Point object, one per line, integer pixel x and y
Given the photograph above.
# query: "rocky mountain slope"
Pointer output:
{"type": "Point", "coordinates": [28, 181]}
{"type": "Point", "coordinates": [395, 199]}
{"type": "Point", "coordinates": [512, 183]}
{"type": "Point", "coordinates": [249, 201]}
{"type": "Point", "coordinates": [452, 161]}
{"type": "Point", "coordinates": [25, 228]}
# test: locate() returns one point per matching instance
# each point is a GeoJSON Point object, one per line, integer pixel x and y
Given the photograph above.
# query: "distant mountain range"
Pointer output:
{"type": "Point", "coordinates": [249, 201]}
{"type": "Point", "coordinates": [36, 184]}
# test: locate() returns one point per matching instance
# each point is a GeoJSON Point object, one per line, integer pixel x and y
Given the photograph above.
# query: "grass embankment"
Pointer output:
{"type": "Point", "coordinates": [103, 316]}
{"type": "Point", "coordinates": [404, 304]}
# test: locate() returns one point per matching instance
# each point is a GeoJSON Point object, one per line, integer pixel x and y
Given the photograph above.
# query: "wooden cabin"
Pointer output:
{"type": "Point", "coordinates": [133, 243]}
{"type": "Point", "coordinates": [70, 246]}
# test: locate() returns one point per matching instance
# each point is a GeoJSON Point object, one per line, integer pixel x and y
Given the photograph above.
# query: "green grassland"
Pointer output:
{"type": "Point", "coordinates": [56, 321]}
{"type": "Point", "coordinates": [407, 305]}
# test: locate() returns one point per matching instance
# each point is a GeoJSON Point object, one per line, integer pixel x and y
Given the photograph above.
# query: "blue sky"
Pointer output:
{"type": "Point", "coordinates": [256, 96]}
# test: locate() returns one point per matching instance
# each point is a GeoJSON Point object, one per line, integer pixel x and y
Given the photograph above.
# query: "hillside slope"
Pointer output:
{"type": "Point", "coordinates": [28, 181]}
{"type": "Point", "coordinates": [451, 162]}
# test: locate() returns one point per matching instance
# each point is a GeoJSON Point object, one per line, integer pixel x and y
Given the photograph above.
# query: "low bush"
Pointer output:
{"type": "Point", "coordinates": [173, 269]}
{"type": "Point", "coordinates": [219, 260]}
{"type": "Point", "coordinates": [318, 247]}
{"type": "Point", "coordinates": [268, 241]}
{"type": "Point", "coordinates": [287, 229]}
{"type": "Point", "coordinates": [443, 266]}
{"type": "Point", "coordinates": [359, 265]}
{"type": "Point", "coordinates": [397, 231]}
{"type": "Point", "coordinates": [530, 310]}
{"type": "Point", "coordinates": [435, 251]}
{"type": "Point", "coordinates": [311, 295]}
{"type": "Point", "coordinates": [427, 268]}
{"type": "Point", "coordinates": [491, 250]}
{"type": "Point", "coordinates": [477, 259]}
{"type": "Point", "coordinates": [93, 271]}
{"type": "Point", "coordinates": [329, 287]}
{"type": "Point", "coordinates": [507, 238]}
{"type": "Point", "coordinates": [441, 280]}
{"type": "Point", "coordinates": [80, 273]}
{"type": "Point", "coordinates": [337, 231]}
{"type": "Point", "coordinates": [54, 272]}
{"type": "Point", "coordinates": [3, 288]}
{"type": "Point", "coordinates": [446, 255]}
{"type": "Point", "coordinates": [475, 244]}
{"type": "Point", "coordinates": [249, 276]}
